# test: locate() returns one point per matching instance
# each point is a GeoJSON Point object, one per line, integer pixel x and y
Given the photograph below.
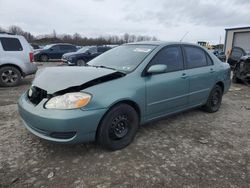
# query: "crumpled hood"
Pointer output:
{"type": "Point", "coordinates": [54, 79]}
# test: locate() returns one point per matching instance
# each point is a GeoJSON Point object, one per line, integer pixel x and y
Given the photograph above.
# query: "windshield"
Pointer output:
{"type": "Point", "coordinates": [83, 49]}
{"type": "Point", "coordinates": [124, 58]}
{"type": "Point", "coordinates": [47, 46]}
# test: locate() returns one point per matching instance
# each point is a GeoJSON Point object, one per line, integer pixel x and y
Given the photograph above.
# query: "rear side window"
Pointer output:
{"type": "Point", "coordinates": [67, 47]}
{"type": "Point", "coordinates": [237, 53]}
{"type": "Point", "coordinates": [170, 56]}
{"type": "Point", "coordinates": [209, 60]}
{"type": "Point", "coordinates": [195, 57]}
{"type": "Point", "coordinates": [11, 44]}
{"type": "Point", "coordinates": [102, 49]}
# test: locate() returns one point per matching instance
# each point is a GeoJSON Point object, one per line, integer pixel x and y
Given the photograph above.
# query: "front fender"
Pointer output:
{"type": "Point", "coordinates": [105, 95]}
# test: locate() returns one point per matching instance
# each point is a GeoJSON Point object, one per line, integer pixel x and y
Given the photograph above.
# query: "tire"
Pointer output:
{"type": "Point", "coordinates": [9, 76]}
{"type": "Point", "coordinates": [80, 62]}
{"type": "Point", "coordinates": [214, 100]}
{"type": "Point", "coordinates": [235, 79]}
{"type": "Point", "coordinates": [44, 58]}
{"type": "Point", "coordinates": [118, 127]}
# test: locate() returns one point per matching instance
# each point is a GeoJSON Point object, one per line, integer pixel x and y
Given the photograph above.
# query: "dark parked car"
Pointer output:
{"type": "Point", "coordinates": [241, 71]}
{"type": "Point", "coordinates": [35, 46]}
{"type": "Point", "coordinates": [83, 55]}
{"type": "Point", "coordinates": [220, 54]}
{"type": "Point", "coordinates": [235, 56]}
{"type": "Point", "coordinates": [53, 51]}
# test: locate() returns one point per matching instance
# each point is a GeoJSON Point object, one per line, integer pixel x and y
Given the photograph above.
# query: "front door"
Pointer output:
{"type": "Point", "coordinates": [167, 92]}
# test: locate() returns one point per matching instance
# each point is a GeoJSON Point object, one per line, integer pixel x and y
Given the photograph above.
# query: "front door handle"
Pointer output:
{"type": "Point", "coordinates": [184, 76]}
{"type": "Point", "coordinates": [212, 70]}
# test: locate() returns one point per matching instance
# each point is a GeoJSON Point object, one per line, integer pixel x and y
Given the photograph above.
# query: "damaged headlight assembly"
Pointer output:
{"type": "Point", "coordinates": [69, 101]}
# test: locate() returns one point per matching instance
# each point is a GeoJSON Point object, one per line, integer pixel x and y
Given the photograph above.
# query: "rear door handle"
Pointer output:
{"type": "Point", "coordinates": [184, 76]}
{"type": "Point", "coordinates": [212, 70]}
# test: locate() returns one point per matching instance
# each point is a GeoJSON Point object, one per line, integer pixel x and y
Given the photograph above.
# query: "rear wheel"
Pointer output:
{"type": "Point", "coordinates": [235, 79]}
{"type": "Point", "coordinates": [44, 58]}
{"type": "Point", "coordinates": [10, 76]}
{"type": "Point", "coordinates": [214, 100]}
{"type": "Point", "coordinates": [118, 127]}
{"type": "Point", "coordinates": [80, 62]}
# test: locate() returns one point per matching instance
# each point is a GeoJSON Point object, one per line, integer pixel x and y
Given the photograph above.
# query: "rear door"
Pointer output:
{"type": "Point", "coordinates": [201, 71]}
{"type": "Point", "coordinates": [167, 92]}
{"type": "Point", "coordinates": [54, 52]}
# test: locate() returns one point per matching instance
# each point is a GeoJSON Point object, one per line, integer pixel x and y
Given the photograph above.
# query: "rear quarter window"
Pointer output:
{"type": "Point", "coordinates": [11, 44]}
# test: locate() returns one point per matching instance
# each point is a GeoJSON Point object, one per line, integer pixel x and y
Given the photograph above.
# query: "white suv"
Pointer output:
{"type": "Point", "coordinates": [16, 59]}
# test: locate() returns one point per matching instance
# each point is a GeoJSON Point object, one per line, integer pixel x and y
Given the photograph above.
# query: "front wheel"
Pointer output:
{"type": "Point", "coordinates": [214, 100]}
{"type": "Point", "coordinates": [118, 127]}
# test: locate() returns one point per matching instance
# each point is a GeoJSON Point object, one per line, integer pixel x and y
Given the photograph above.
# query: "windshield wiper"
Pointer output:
{"type": "Point", "coordinates": [105, 67]}
{"type": "Point", "coordinates": [102, 66]}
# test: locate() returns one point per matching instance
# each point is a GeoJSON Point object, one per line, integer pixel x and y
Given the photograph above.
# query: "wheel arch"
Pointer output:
{"type": "Point", "coordinates": [221, 84]}
{"type": "Point", "coordinates": [13, 65]}
{"type": "Point", "coordinates": [42, 55]}
{"type": "Point", "coordinates": [131, 103]}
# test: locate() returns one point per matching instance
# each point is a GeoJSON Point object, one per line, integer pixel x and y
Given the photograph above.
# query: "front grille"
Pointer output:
{"type": "Point", "coordinates": [36, 95]}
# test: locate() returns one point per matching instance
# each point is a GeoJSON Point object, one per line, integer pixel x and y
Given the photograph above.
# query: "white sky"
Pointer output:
{"type": "Point", "coordinates": [168, 20]}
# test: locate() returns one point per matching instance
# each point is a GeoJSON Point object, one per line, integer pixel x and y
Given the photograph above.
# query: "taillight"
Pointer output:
{"type": "Point", "coordinates": [31, 57]}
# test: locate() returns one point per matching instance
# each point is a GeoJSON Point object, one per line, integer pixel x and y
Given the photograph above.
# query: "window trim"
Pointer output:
{"type": "Point", "coordinates": [185, 56]}
{"type": "Point", "coordinates": [144, 72]}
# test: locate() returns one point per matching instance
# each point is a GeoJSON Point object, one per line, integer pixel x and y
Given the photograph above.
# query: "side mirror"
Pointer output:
{"type": "Point", "coordinates": [51, 49]}
{"type": "Point", "coordinates": [157, 69]}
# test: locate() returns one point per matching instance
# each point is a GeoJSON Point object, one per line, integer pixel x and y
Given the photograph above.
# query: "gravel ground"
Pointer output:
{"type": "Point", "coordinates": [191, 149]}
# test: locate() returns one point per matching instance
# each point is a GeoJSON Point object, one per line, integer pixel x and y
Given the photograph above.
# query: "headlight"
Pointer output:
{"type": "Point", "coordinates": [69, 101]}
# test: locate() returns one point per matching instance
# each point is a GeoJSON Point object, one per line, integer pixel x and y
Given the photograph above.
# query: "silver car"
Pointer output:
{"type": "Point", "coordinates": [16, 59]}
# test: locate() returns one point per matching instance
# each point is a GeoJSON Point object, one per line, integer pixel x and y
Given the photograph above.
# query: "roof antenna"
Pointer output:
{"type": "Point", "coordinates": [184, 36]}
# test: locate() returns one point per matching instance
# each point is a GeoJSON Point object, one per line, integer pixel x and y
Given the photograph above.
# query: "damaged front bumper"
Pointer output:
{"type": "Point", "coordinates": [62, 126]}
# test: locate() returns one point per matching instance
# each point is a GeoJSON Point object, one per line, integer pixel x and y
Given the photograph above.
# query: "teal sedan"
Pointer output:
{"type": "Point", "coordinates": [130, 85]}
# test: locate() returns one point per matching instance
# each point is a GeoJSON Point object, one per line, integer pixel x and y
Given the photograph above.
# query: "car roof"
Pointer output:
{"type": "Point", "coordinates": [161, 43]}
{"type": "Point", "coordinates": [62, 44]}
{"type": "Point", "coordinates": [9, 35]}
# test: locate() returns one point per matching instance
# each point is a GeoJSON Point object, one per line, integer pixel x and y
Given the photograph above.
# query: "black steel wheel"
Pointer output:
{"type": "Point", "coordinates": [9, 76]}
{"type": "Point", "coordinates": [214, 100]}
{"type": "Point", "coordinates": [118, 127]}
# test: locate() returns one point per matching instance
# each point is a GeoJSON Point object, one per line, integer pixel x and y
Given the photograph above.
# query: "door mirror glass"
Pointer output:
{"type": "Point", "coordinates": [157, 69]}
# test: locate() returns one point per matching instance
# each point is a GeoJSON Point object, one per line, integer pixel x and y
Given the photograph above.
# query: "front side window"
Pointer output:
{"type": "Point", "coordinates": [170, 56]}
{"type": "Point", "coordinates": [11, 44]}
{"type": "Point", "coordinates": [195, 57]}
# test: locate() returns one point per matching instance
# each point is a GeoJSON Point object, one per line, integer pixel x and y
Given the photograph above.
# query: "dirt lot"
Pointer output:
{"type": "Point", "coordinates": [191, 149]}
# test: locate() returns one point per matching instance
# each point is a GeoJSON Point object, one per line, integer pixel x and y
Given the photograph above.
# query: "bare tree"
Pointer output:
{"type": "Point", "coordinates": [126, 37]}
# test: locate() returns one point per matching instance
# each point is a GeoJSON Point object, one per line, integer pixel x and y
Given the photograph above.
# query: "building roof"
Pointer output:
{"type": "Point", "coordinates": [237, 28]}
